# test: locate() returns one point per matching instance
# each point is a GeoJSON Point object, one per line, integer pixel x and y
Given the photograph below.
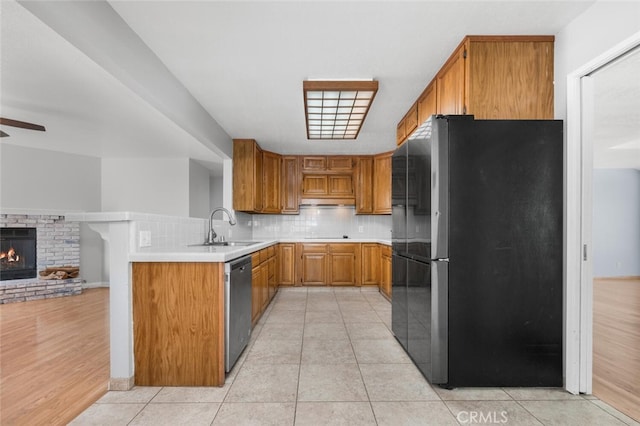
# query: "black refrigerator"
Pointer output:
{"type": "Point", "coordinates": [477, 296]}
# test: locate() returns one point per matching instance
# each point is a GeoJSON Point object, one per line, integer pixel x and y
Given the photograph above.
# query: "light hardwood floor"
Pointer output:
{"type": "Point", "coordinates": [54, 358]}
{"type": "Point", "coordinates": [616, 343]}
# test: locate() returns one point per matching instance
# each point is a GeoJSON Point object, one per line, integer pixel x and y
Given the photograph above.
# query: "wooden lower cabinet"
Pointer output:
{"type": "Point", "coordinates": [344, 264]}
{"type": "Point", "coordinates": [264, 283]}
{"type": "Point", "coordinates": [286, 264]}
{"type": "Point", "coordinates": [258, 283]}
{"type": "Point", "coordinates": [370, 261]}
{"type": "Point", "coordinates": [328, 264]}
{"type": "Point", "coordinates": [178, 323]}
{"type": "Point", "coordinates": [313, 264]}
{"type": "Point", "coordinates": [385, 276]}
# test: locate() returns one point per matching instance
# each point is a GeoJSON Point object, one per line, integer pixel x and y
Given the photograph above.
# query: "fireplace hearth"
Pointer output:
{"type": "Point", "coordinates": [17, 253]}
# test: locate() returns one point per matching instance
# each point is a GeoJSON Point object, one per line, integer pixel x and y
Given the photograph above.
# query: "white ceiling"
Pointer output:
{"type": "Point", "coordinates": [616, 124]}
{"type": "Point", "coordinates": [244, 62]}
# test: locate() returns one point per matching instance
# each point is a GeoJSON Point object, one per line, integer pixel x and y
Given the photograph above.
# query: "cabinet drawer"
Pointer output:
{"type": "Point", "coordinates": [255, 259]}
{"type": "Point", "coordinates": [271, 251]}
{"type": "Point", "coordinates": [343, 247]}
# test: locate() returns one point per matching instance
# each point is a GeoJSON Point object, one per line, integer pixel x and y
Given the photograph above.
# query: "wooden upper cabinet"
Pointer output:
{"type": "Point", "coordinates": [510, 77]}
{"type": "Point", "coordinates": [290, 185]}
{"type": "Point", "coordinates": [313, 164]}
{"type": "Point", "coordinates": [411, 120]}
{"type": "Point", "coordinates": [427, 103]}
{"type": "Point", "coordinates": [271, 181]}
{"type": "Point", "coordinates": [382, 183]}
{"type": "Point", "coordinates": [340, 163]}
{"type": "Point", "coordinates": [400, 133]}
{"type": "Point", "coordinates": [247, 176]}
{"type": "Point", "coordinates": [450, 83]}
{"type": "Point", "coordinates": [315, 186]}
{"type": "Point", "coordinates": [408, 124]}
{"type": "Point", "coordinates": [490, 77]}
{"type": "Point", "coordinates": [327, 180]}
{"type": "Point", "coordinates": [364, 185]}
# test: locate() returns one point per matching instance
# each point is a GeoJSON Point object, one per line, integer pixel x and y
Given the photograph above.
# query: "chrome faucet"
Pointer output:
{"type": "Point", "coordinates": [212, 234]}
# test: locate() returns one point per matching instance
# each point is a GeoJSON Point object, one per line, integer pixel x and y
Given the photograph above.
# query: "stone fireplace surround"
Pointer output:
{"type": "Point", "coordinates": [58, 244]}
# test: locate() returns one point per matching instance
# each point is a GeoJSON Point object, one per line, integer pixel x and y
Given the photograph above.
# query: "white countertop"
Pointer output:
{"type": "Point", "coordinates": [227, 253]}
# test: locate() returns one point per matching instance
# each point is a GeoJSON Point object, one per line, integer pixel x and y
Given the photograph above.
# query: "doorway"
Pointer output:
{"type": "Point", "coordinates": [603, 193]}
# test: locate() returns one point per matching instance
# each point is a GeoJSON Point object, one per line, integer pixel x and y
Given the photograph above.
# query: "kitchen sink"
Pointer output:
{"type": "Point", "coordinates": [228, 243]}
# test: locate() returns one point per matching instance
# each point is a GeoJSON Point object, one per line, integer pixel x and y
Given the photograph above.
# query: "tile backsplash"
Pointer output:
{"type": "Point", "coordinates": [322, 221]}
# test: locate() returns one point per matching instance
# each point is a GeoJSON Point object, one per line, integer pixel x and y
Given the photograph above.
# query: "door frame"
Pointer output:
{"type": "Point", "coordinates": [578, 250]}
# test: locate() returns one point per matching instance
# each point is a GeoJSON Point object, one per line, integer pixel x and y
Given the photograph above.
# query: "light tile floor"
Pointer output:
{"type": "Point", "coordinates": [326, 356]}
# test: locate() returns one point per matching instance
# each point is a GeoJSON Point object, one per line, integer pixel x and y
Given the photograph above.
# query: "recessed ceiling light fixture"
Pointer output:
{"type": "Point", "coordinates": [336, 109]}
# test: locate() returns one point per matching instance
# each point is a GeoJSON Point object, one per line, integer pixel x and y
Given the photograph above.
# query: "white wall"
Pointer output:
{"type": "Point", "coordinates": [597, 30]}
{"type": "Point", "coordinates": [216, 188]}
{"type": "Point", "coordinates": [35, 179]}
{"type": "Point", "coordinates": [152, 185]}
{"type": "Point", "coordinates": [199, 191]}
{"type": "Point", "coordinates": [616, 222]}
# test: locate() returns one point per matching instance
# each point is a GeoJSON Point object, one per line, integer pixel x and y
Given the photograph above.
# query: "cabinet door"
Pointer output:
{"type": "Point", "coordinates": [247, 176]}
{"type": "Point", "coordinates": [272, 281]}
{"type": "Point", "coordinates": [411, 120]}
{"type": "Point", "coordinates": [315, 186]}
{"type": "Point", "coordinates": [344, 265]}
{"type": "Point", "coordinates": [339, 163]}
{"type": "Point", "coordinates": [370, 255]}
{"type": "Point", "coordinates": [287, 264]}
{"type": "Point", "coordinates": [400, 133]}
{"type": "Point", "coordinates": [451, 84]}
{"type": "Point", "coordinates": [271, 182]}
{"type": "Point", "coordinates": [364, 185]}
{"type": "Point", "coordinates": [382, 184]}
{"type": "Point", "coordinates": [290, 185]}
{"type": "Point", "coordinates": [314, 164]}
{"type": "Point", "coordinates": [313, 264]}
{"type": "Point", "coordinates": [340, 186]}
{"type": "Point", "coordinates": [257, 278]}
{"type": "Point", "coordinates": [427, 105]}
{"type": "Point", "coordinates": [511, 79]}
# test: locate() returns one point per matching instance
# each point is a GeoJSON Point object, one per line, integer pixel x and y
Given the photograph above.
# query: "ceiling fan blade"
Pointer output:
{"type": "Point", "coordinates": [3, 134]}
{"type": "Point", "coordinates": [20, 124]}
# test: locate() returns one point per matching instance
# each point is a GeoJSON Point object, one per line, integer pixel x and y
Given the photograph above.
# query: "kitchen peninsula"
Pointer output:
{"type": "Point", "coordinates": [196, 277]}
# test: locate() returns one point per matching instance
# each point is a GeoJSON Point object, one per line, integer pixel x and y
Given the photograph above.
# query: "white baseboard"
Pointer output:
{"type": "Point", "coordinates": [97, 284]}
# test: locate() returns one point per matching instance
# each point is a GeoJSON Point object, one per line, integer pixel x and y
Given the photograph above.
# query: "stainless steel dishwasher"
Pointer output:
{"type": "Point", "coordinates": [237, 316]}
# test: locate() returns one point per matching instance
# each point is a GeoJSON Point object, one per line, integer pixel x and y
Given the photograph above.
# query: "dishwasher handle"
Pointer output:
{"type": "Point", "coordinates": [239, 264]}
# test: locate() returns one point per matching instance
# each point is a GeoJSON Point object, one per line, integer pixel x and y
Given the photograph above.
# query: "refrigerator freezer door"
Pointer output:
{"type": "Point", "coordinates": [439, 189]}
{"type": "Point", "coordinates": [440, 322]}
{"type": "Point", "coordinates": [419, 312]}
{"type": "Point", "coordinates": [399, 300]}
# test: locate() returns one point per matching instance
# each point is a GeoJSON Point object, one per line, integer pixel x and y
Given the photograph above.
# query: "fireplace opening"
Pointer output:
{"type": "Point", "coordinates": [17, 253]}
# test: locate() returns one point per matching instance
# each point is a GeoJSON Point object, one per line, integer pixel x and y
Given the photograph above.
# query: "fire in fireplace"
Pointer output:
{"type": "Point", "coordinates": [17, 253]}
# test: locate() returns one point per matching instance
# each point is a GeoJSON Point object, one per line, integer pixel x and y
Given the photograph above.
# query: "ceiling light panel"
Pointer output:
{"type": "Point", "coordinates": [337, 109]}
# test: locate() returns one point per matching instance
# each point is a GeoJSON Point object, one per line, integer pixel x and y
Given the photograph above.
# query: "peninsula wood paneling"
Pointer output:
{"type": "Point", "coordinates": [178, 318]}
